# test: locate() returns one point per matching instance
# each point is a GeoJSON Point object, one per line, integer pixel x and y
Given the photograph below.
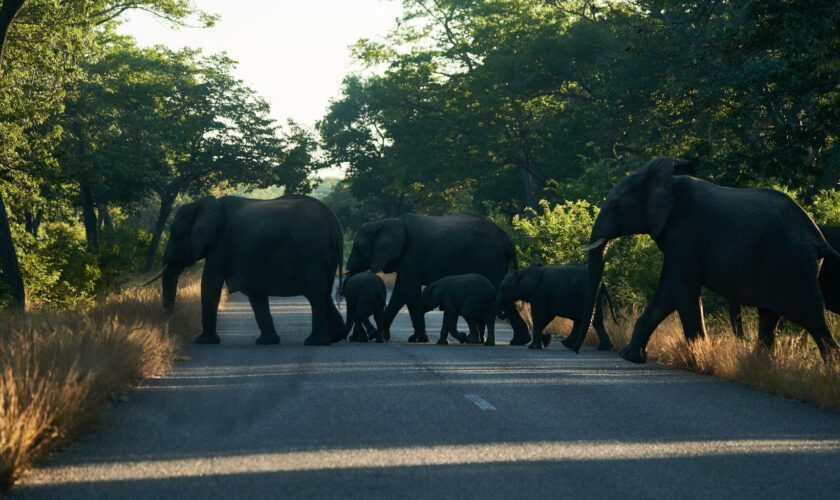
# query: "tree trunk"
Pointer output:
{"type": "Point", "coordinates": [33, 221]}
{"type": "Point", "coordinates": [530, 193]}
{"type": "Point", "coordinates": [89, 219]}
{"type": "Point", "coordinates": [166, 203]}
{"type": "Point", "coordinates": [11, 277]}
{"type": "Point", "coordinates": [105, 221]}
{"type": "Point", "coordinates": [10, 269]}
{"type": "Point", "coordinates": [8, 11]}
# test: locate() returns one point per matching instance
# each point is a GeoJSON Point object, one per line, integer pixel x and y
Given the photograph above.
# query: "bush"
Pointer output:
{"type": "Point", "coordinates": [60, 273]}
{"type": "Point", "coordinates": [825, 207]}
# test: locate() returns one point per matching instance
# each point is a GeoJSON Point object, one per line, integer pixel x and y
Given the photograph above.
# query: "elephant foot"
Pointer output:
{"type": "Point", "coordinates": [490, 342]}
{"type": "Point", "coordinates": [473, 339]}
{"type": "Point", "coordinates": [204, 339]}
{"type": "Point", "coordinates": [442, 341]}
{"type": "Point", "coordinates": [419, 338]}
{"type": "Point", "coordinates": [268, 339]}
{"type": "Point", "coordinates": [386, 335]}
{"type": "Point", "coordinates": [316, 340]}
{"type": "Point", "coordinates": [546, 339]}
{"type": "Point", "coordinates": [569, 342]}
{"type": "Point", "coordinates": [633, 354]}
{"type": "Point", "coordinates": [605, 345]}
{"type": "Point", "coordinates": [520, 340]}
{"type": "Point", "coordinates": [461, 336]}
{"type": "Point", "coordinates": [535, 344]}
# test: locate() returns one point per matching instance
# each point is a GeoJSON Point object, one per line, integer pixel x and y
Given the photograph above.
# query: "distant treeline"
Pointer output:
{"type": "Point", "coordinates": [489, 106]}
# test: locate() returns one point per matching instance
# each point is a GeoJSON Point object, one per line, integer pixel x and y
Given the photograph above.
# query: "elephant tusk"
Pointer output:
{"type": "Point", "coordinates": [153, 278]}
{"type": "Point", "coordinates": [595, 244]}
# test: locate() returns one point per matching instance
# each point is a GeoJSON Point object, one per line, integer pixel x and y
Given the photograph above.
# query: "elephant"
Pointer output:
{"type": "Point", "coordinates": [287, 246]}
{"type": "Point", "coordinates": [422, 249]}
{"type": "Point", "coordinates": [753, 246]}
{"type": "Point", "coordinates": [555, 291]}
{"type": "Point", "coordinates": [829, 284]}
{"type": "Point", "coordinates": [365, 294]}
{"type": "Point", "coordinates": [470, 296]}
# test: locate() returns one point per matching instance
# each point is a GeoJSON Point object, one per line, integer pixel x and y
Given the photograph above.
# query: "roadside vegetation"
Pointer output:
{"type": "Point", "coordinates": [60, 370]}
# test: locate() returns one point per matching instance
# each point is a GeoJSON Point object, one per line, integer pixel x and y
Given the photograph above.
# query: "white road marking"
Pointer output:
{"type": "Point", "coordinates": [481, 403]}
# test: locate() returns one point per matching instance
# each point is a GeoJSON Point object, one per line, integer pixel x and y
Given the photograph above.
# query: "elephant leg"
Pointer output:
{"type": "Point", "coordinates": [691, 316]}
{"type": "Point", "coordinates": [379, 334]}
{"type": "Point", "coordinates": [262, 311]}
{"type": "Point", "coordinates": [491, 329]}
{"type": "Point", "coordinates": [768, 321]}
{"type": "Point", "coordinates": [359, 331]}
{"type": "Point", "coordinates": [320, 324]}
{"type": "Point", "coordinates": [482, 327]}
{"type": "Point", "coordinates": [604, 342]}
{"type": "Point", "coordinates": [571, 342]}
{"type": "Point", "coordinates": [415, 309]}
{"type": "Point", "coordinates": [396, 303]}
{"type": "Point", "coordinates": [444, 328]}
{"type": "Point", "coordinates": [811, 316]}
{"type": "Point", "coordinates": [520, 329]}
{"type": "Point", "coordinates": [348, 323]}
{"type": "Point", "coordinates": [453, 328]}
{"type": "Point", "coordinates": [371, 330]}
{"type": "Point", "coordinates": [335, 323]}
{"type": "Point", "coordinates": [474, 336]}
{"type": "Point", "coordinates": [211, 292]}
{"type": "Point", "coordinates": [735, 320]}
{"type": "Point", "coordinates": [538, 317]}
{"type": "Point", "coordinates": [660, 306]}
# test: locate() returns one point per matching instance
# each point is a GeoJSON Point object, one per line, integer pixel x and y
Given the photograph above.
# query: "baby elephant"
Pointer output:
{"type": "Point", "coordinates": [365, 294]}
{"type": "Point", "coordinates": [554, 291]}
{"type": "Point", "coordinates": [471, 296]}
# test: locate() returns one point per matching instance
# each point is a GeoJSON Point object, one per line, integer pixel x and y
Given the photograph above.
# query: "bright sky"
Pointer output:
{"type": "Point", "coordinates": [295, 53]}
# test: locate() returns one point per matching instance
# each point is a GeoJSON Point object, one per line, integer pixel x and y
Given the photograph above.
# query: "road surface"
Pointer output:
{"type": "Point", "coordinates": [401, 420]}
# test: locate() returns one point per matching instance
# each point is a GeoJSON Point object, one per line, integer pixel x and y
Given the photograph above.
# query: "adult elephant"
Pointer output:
{"type": "Point", "coordinates": [284, 247]}
{"type": "Point", "coordinates": [753, 246]}
{"type": "Point", "coordinates": [422, 249]}
{"type": "Point", "coordinates": [829, 284]}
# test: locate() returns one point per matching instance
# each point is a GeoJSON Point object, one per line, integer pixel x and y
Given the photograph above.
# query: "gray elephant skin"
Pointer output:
{"type": "Point", "coordinates": [555, 291]}
{"type": "Point", "coordinates": [365, 295]}
{"type": "Point", "coordinates": [829, 284]}
{"type": "Point", "coordinates": [422, 249]}
{"type": "Point", "coordinates": [756, 247]}
{"type": "Point", "coordinates": [470, 296]}
{"type": "Point", "coordinates": [287, 246]}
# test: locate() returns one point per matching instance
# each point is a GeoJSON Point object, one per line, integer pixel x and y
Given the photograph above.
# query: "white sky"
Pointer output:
{"type": "Point", "coordinates": [294, 53]}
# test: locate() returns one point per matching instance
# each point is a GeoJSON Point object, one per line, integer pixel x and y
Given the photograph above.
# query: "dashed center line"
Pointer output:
{"type": "Point", "coordinates": [480, 402]}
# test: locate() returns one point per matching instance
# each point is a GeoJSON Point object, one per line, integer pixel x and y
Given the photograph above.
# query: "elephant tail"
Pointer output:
{"type": "Point", "coordinates": [606, 295]}
{"type": "Point", "coordinates": [339, 242]}
{"type": "Point", "coordinates": [512, 258]}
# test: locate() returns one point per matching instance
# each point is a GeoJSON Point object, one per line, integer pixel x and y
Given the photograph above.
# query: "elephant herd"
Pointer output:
{"type": "Point", "coordinates": [753, 247]}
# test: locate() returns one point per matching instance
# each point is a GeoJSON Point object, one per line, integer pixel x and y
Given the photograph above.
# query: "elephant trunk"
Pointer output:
{"type": "Point", "coordinates": [597, 249]}
{"type": "Point", "coordinates": [169, 285]}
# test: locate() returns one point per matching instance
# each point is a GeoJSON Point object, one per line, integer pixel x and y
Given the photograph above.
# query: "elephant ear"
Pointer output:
{"type": "Point", "coordinates": [657, 186]}
{"type": "Point", "coordinates": [388, 244]}
{"type": "Point", "coordinates": [205, 227]}
{"type": "Point", "coordinates": [529, 280]}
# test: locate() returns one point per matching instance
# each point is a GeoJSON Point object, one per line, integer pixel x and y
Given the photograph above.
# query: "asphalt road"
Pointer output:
{"type": "Point", "coordinates": [402, 420]}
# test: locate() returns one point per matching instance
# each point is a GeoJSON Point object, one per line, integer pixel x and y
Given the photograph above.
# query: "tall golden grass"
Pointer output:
{"type": "Point", "coordinates": [59, 370]}
{"type": "Point", "coordinates": [793, 369]}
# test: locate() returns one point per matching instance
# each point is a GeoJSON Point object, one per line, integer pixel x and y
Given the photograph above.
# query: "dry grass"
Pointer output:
{"type": "Point", "coordinates": [60, 370]}
{"type": "Point", "coordinates": [793, 369]}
